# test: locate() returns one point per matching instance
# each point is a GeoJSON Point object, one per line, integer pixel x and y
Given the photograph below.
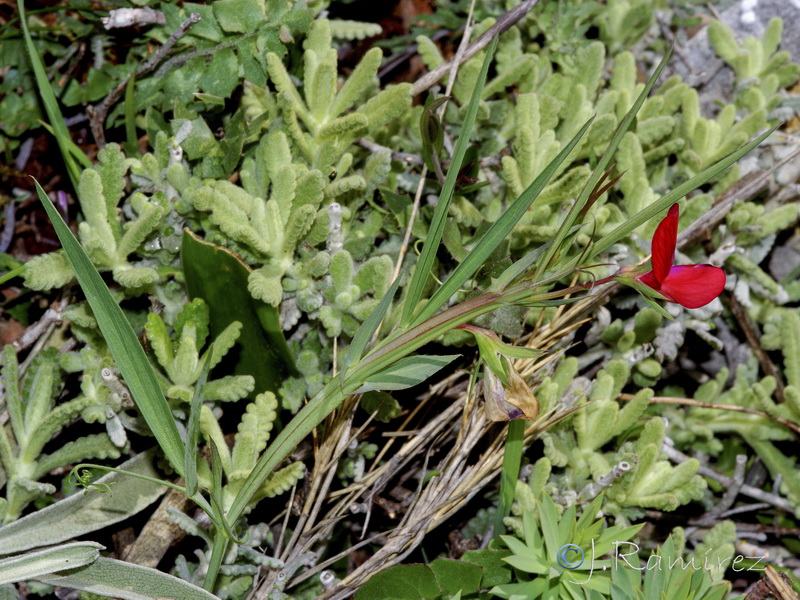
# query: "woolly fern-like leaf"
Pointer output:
{"type": "Point", "coordinates": [135, 277]}
{"type": "Point", "coordinates": [97, 445]}
{"type": "Point", "coordinates": [223, 343]}
{"type": "Point", "coordinates": [229, 388]}
{"type": "Point", "coordinates": [281, 481]}
{"type": "Point", "coordinates": [353, 30]}
{"type": "Point", "coordinates": [265, 285]}
{"type": "Point", "coordinates": [137, 231]}
{"type": "Point", "coordinates": [387, 105]}
{"type": "Point", "coordinates": [159, 339]}
{"type": "Point", "coordinates": [48, 271]}
{"type": "Point", "coordinates": [209, 426]}
{"type": "Point", "coordinates": [357, 82]}
{"type": "Point", "coordinates": [254, 429]}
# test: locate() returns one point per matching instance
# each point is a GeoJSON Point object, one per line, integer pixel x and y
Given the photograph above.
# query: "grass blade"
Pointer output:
{"type": "Point", "coordinates": [49, 100]}
{"type": "Point", "coordinates": [679, 192]}
{"type": "Point", "coordinates": [599, 170]}
{"type": "Point", "coordinates": [496, 234]}
{"type": "Point", "coordinates": [369, 326]}
{"type": "Point", "coordinates": [422, 270]}
{"type": "Point", "coordinates": [193, 430]}
{"type": "Point", "coordinates": [122, 341]}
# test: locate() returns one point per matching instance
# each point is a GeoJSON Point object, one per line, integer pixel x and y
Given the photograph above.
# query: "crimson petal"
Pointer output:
{"type": "Point", "coordinates": [693, 286]}
{"type": "Point", "coordinates": [663, 246]}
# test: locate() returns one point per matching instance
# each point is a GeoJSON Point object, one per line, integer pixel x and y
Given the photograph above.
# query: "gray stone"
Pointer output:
{"type": "Point", "coordinates": [703, 70]}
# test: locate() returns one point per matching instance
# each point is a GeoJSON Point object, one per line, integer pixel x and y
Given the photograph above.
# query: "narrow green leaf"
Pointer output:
{"type": "Point", "coordinates": [406, 372]}
{"type": "Point", "coordinates": [118, 579]}
{"type": "Point", "coordinates": [657, 307]}
{"type": "Point", "coordinates": [216, 472]}
{"type": "Point", "coordinates": [599, 170]}
{"type": "Point", "coordinates": [193, 429]}
{"type": "Point", "coordinates": [50, 560]}
{"type": "Point", "coordinates": [122, 341]}
{"type": "Point", "coordinates": [496, 234]}
{"type": "Point", "coordinates": [668, 200]}
{"type": "Point", "coordinates": [19, 271]}
{"type": "Point", "coordinates": [422, 269]}
{"type": "Point", "coordinates": [49, 99]}
{"type": "Point", "coordinates": [131, 143]}
{"type": "Point", "coordinates": [365, 332]}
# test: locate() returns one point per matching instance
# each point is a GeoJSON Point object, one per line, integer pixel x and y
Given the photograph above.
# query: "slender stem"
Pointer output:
{"type": "Point", "coordinates": [512, 458]}
{"type": "Point", "coordinates": [215, 562]}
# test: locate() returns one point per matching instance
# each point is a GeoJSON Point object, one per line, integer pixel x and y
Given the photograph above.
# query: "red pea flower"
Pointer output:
{"type": "Point", "coordinates": [691, 286]}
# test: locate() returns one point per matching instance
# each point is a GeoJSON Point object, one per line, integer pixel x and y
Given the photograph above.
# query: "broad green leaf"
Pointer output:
{"type": "Point", "coordinates": [50, 560]}
{"type": "Point", "coordinates": [122, 341]}
{"type": "Point", "coordinates": [83, 513]}
{"type": "Point", "coordinates": [401, 582]}
{"type": "Point", "coordinates": [219, 277]}
{"type": "Point", "coordinates": [455, 576]}
{"type": "Point", "coordinates": [117, 579]}
{"type": "Point", "coordinates": [406, 372]}
{"type": "Point", "coordinates": [495, 570]}
{"type": "Point", "coordinates": [422, 269]}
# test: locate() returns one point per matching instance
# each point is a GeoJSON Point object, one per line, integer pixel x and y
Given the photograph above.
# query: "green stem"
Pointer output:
{"type": "Point", "coordinates": [215, 562]}
{"type": "Point", "coordinates": [512, 459]}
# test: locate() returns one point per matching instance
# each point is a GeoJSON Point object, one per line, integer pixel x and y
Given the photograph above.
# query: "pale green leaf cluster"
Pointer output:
{"type": "Point", "coordinates": [182, 358]}
{"type": "Point", "coordinates": [35, 418]}
{"type": "Point", "coordinates": [643, 479]}
{"type": "Point", "coordinates": [652, 481]}
{"type": "Point", "coordinates": [320, 121]}
{"type": "Point", "coordinates": [250, 440]}
{"type": "Point", "coordinates": [347, 305]}
{"type": "Point", "coordinates": [761, 69]}
{"type": "Point", "coordinates": [108, 240]}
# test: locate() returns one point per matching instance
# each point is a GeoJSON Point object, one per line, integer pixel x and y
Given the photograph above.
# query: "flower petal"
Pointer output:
{"type": "Point", "coordinates": [693, 286]}
{"type": "Point", "coordinates": [650, 280]}
{"type": "Point", "coordinates": [663, 246]}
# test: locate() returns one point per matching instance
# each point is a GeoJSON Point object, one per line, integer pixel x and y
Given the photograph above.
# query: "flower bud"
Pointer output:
{"type": "Point", "coordinates": [508, 403]}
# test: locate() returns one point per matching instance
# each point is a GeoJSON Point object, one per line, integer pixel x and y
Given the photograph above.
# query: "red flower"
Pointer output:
{"type": "Point", "coordinates": [691, 286]}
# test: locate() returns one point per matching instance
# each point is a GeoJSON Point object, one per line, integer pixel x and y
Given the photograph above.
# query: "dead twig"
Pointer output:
{"type": "Point", "coordinates": [503, 24]}
{"type": "Point", "coordinates": [752, 336]}
{"type": "Point", "coordinates": [730, 407]}
{"type": "Point", "coordinates": [748, 490]}
{"type": "Point", "coordinates": [98, 113]}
